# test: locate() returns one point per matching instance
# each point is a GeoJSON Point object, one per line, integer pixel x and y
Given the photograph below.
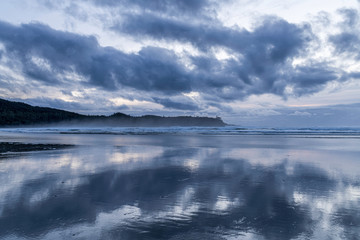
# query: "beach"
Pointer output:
{"type": "Point", "coordinates": [179, 184]}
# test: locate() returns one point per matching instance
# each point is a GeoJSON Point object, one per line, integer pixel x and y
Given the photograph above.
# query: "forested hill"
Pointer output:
{"type": "Point", "coordinates": [17, 114]}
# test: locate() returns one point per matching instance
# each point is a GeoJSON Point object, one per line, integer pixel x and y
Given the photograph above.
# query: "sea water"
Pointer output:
{"type": "Point", "coordinates": [180, 183]}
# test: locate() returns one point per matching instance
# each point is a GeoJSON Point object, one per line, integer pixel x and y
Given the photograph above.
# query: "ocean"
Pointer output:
{"type": "Point", "coordinates": [180, 183]}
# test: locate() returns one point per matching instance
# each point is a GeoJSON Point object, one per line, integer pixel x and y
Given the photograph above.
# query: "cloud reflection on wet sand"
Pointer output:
{"type": "Point", "coordinates": [163, 192]}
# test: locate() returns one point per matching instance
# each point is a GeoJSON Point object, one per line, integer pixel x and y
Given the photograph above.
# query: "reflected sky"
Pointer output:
{"type": "Point", "coordinates": [182, 187]}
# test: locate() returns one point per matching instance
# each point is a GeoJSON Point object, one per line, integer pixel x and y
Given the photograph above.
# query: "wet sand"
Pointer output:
{"type": "Point", "coordinates": [12, 147]}
{"type": "Point", "coordinates": [179, 187]}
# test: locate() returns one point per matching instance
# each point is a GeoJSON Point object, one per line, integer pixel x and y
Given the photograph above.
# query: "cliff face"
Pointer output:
{"type": "Point", "coordinates": [17, 114]}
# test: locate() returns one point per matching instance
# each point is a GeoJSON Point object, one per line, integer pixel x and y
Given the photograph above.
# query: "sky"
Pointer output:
{"type": "Point", "coordinates": [254, 63]}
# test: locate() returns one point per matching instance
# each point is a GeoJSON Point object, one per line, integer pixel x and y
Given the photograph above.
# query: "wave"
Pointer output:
{"type": "Point", "coordinates": [228, 130]}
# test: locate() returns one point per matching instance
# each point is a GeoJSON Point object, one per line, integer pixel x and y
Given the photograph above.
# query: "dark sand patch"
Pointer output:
{"type": "Point", "coordinates": [12, 147]}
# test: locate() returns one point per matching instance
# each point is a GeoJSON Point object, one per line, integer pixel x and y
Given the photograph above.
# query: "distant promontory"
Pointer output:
{"type": "Point", "coordinates": [21, 114]}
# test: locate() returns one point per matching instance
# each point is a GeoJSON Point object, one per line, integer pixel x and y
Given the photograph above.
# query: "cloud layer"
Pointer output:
{"type": "Point", "coordinates": [186, 51]}
{"type": "Point", "coordinates": [262, 61]}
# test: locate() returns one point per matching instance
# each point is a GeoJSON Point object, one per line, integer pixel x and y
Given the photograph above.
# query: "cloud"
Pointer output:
{"type": "Point", "coordinates": [311, 79]}
{"type": "Point", "coordinates": [262, 57]}
{"type": "Point", "coordinates": [56, 103]}
{"type": "Point", "coordinates": [75, 10]}
{"type": "Point", "coordinates": [348, 40]}
{"type": "Point", "coordinates": [343, 115]}
{"type": "Point", "coordinates": [168, 6]}
{"type": "Point", "coordinates": [168, 103]}
{"type": "Point", "coordinates": [261, 62]}
{"type": "Point", "coordinates": [179, 8]}
{"type": "Point", "coordinates": [350, 17]}
{"type": "Point", "coordinates": [274, 38]}
{"type": "Point", "coordinates": [347, 43]}
{"type": "Point", "coordinates": [122, 107]}
{"type": "Point", "coordinates": [83, 105]}
{"type": "Point", "coordinates": [48, 55]}
{"type": "Point", "coordinates": [298, 113]}
{"type": "Point", "coordinates": [263, 112]}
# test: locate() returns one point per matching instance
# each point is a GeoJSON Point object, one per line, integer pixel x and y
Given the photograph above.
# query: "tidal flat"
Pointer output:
{"type": "Point", "coordinates": [179, 186]}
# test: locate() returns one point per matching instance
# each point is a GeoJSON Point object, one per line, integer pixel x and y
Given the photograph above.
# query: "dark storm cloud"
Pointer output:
{"type": "Point", "coordinates": [261, 63]}
{"type": "Point", "coordinates": [350, 17]}
{"type": "Point", "coordinates": [168, 103]}
{"type": "Point", "coordinates": [231, 80]}
{"type": "Point", "coordinates": [354, 75]}
{"type": "Point", "coordinates": [310, 79]}
{"type": "Point", "coordinates": [47, 55]}
{"type": "Point", "coordinates": [262, 56]}
{"type": "Point", "coordinates": [348, 40]}
{"type": "Point", "coordinates": [275, 38]}
{"type": "Point", "coordinates": [347, 43]}
{"type": "Point", "coordinates": [122, 107]}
